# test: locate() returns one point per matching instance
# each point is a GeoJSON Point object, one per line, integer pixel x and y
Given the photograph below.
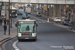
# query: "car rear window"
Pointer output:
{"type": "Point", "coordinates": [57, 18]}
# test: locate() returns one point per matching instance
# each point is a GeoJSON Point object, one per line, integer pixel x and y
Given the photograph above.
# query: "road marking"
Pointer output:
{"type": "Point", "coordinates": [14, 45]}
{"type": "Point", "coordinates": [43, 22]}
{"type": "Point", "coordinates": [39, 21]}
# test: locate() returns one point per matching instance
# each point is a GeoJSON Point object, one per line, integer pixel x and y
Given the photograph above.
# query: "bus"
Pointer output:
{"type": "Point", "coordinates": [27, 29]}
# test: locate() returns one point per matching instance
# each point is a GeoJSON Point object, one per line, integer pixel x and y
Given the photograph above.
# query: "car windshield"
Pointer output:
{"type": "Point", "coordinates": [26, 27]}
{"type": "Point", "coordinates": [14, 11]}
{"type": "Point", "coordinates": [24, 15]}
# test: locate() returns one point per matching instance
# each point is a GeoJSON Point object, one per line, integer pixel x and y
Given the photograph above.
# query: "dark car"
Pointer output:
{"type": "Point", "coordinates": [25, 16]}
{"type": "Point", "coordinates": [73, 24]}
{"type": "Point", "coordinates": [66, 22]}
{"type": "Point", "coordinates": [13, 14]}
{"type": "Point", "coordinates": [19, 13]}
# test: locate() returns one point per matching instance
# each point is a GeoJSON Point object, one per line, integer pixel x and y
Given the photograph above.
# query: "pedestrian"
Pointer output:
{"type": "Point", "coordinates": [5, 28]}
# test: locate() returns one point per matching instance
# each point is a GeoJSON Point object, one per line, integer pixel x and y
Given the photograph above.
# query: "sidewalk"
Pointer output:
{"type": "Point", "coordinates": [13, 32]}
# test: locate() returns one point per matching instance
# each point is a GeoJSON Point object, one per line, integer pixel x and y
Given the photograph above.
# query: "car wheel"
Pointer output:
{"type": "Point", "coordinates": [19, 40]}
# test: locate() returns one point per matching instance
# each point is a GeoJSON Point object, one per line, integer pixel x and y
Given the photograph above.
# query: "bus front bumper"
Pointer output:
{"type": "Point", "coordinates": [27, 38]}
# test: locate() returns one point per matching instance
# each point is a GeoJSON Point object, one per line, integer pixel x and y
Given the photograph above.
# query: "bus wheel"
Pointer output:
{"type": "Point", "coordinates": [35, 39]}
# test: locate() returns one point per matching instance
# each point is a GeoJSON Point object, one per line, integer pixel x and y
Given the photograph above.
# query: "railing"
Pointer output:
{"type": "Point", "coordinates": [43, 1]}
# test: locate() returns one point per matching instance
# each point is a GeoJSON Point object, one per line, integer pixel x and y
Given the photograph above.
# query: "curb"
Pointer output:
{"type": "Point", "coordinates": [4, 41]}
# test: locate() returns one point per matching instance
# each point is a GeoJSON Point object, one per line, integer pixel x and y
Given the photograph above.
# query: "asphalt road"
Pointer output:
{"type": "Point", "coordinates": [49, 37]}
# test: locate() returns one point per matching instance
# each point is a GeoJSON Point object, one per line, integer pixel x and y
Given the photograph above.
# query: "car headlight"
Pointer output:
{"type": "Point", "coordinates": [33, 34]}
{"type": "Point", "coordinates": [16, 14]}
{"type": "Point", "coordinates": [19, 34]}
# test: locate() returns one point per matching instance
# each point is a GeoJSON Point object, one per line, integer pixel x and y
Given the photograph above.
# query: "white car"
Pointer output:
{"type": "Point", "coordinates": [57, 19]}
{"type": "Point", "coordinates": [38, 14]}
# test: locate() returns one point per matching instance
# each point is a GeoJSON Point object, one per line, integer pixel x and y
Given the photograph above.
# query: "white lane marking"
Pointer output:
{"type": "Point", "coordinates": [43, 22]}
{"type": "Point", "coordinates": [14, 45]}
{"type": "Point", "coordinates": [39, 21]}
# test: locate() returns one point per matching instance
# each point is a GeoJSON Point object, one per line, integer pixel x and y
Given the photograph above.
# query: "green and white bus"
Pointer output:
{"type": "Point", "coordinates": [27, 29]}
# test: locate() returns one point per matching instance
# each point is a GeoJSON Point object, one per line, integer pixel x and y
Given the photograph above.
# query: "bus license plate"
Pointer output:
{"type": "Point", "coordinates": [26, 38]}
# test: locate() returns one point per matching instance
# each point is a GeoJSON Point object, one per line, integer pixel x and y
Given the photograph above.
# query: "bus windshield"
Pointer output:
{"type": "Point", "coordinates": [26, 28]}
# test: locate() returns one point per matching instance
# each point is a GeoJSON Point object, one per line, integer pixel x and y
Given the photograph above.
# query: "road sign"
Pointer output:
{"type": "Point", "coordinates": [3, 13]}
{"type": "Point", "coordinates": [64, 8]}
{"type": "Point", "coordinates": [45, 8]}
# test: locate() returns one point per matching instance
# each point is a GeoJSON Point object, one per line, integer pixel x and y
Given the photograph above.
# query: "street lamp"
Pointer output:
{"type": "Point", "coordinates": [9, 17]}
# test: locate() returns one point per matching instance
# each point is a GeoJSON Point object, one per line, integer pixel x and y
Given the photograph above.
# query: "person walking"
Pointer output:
{"type": "Point", "coordinates": [5, 28]}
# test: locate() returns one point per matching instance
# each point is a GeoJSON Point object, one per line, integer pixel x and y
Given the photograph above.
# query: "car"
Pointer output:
{"type": "Point", "coordinates": [73, 24]}
{"type": "Point", "coordinates": [38, 14]}
{"type": "Point", "coordinates": [66, 22]}
{"type": "Point", "coordinates": [57, 19]}
{"type": "Point", "coordinates": [19, 13]}
{"type": "Point", "coordinates": [25, 16]}
{"type": "Point", "coordinates": [20, 7]}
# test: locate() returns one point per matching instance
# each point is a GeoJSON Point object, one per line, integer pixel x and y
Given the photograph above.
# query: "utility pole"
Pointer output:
{"type": "Point", "coordinates": [69, 14]}
{"type": "Point", "coordinates": [47, 13]}
{"type": "Point", "coordinates": [9, 17]}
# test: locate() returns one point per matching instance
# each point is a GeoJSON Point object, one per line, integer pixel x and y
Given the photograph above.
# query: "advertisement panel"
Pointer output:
{"type": "Point", "coordinates": [42, 1]}
{"type": "Point", "coordinates": [52, 1]}
{"type": "Point", "coordinates": [69, 1]}
{"type": "Point", "coordinates": [60, 1]}
{"type": "Point", "coordinates": [33, 1]}
{"type": "Point", "coordinates": [3, 13]}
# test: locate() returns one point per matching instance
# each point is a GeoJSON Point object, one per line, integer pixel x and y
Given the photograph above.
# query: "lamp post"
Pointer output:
{"type": "Point", "coordinates": [9, 17]}
{"type": "Point", "coordinates": [47, 13]}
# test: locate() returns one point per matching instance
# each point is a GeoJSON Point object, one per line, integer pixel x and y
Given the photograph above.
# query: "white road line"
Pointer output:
{"type": "Point", "coordinates": [14, 45]}
{"type": "Point", "coordinates": [43, 22]}
{"type": "Point", "coordinates": [39, 21]}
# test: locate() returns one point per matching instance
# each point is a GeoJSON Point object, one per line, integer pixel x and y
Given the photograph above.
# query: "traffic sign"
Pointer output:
{"type": "Point", "coordinates": [45, 8]}
{"type": "Point", "coordinates": [64, 8]}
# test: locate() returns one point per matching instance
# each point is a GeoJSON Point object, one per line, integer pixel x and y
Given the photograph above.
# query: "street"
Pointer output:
{"type": "Point", "coordinates": [49, 37]}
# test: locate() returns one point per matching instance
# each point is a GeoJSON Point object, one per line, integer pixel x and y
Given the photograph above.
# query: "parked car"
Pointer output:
{"type": "Point", "coordinates": [66, 22]}
{"type": "Point", "coordinates": [38, 14]}
{"type": "Point", "coordinates": [73, 24]}
{"type": "Point", "coordinates": [25, 16]}
{"type": "Point", "coordinates": [57, 19]}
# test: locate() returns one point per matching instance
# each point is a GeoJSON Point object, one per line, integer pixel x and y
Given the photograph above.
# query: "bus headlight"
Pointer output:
{"type": "Point", "coordinates": [10, 14]}
{"type": "Point", "coordinates": [19, 35]}
{"type": "Point", "coordinates": [33, 34]}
